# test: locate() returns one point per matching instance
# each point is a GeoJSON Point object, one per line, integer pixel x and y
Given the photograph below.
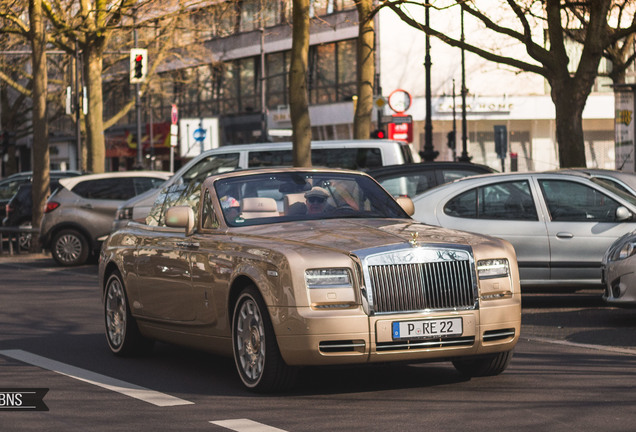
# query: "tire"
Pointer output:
{"type": "Point", "coordinates": [69, 248]}
{"type": "Point", "coordinates": [122, 333]}
{"type": "Point", "coordinates": [483, 366]}
{"type": "Point", "coordinates": [256, 354]}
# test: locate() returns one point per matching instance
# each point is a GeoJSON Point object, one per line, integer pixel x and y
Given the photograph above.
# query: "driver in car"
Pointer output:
{"type": "Point", "coordinates": [316, 200]}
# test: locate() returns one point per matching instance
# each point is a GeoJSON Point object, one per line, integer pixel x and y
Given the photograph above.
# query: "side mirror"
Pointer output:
{"type": "Point", "coordinates": [407, 205]}
{"type": "Point", "coordinates": [181, 217]}
{"type": "Point", "coordinates": [622, 214]}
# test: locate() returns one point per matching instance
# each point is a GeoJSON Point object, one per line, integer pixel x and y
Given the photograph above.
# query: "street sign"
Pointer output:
{"type": "Point", "coordinates": [401, 128]}
{"type": "Point", "coordinates": [501, 141]}
{"type": "Point", "coordinates": [174, 114]}
{"type": "Point", "coordinates": [174, 132]}
{"type": "Point", "coordinates": [400, 101]}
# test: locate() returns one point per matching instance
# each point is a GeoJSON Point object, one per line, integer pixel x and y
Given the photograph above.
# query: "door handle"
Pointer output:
{"type": "Point", "coordinates": [86, 206]}
{"type": "Point", "coordinates": [565, 235]}
{"type": "Point", "coordinates": [188, 245]}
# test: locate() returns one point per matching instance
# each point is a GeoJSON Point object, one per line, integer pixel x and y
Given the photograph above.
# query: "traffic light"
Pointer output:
{"type": "Point", "coordinates": [138, 65]}
{"type": "Point", "coordinates": [378, 134]}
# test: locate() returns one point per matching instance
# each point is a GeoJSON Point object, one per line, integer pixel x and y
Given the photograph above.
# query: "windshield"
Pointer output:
{"type": "Point", "coordinates": [616, 188]}
{"type": "Point", "coordinates": [292, 196]}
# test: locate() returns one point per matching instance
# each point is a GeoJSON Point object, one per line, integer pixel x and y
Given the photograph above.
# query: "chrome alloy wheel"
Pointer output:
{"type": "Point", "coordinates": [250, 340]}
{"type": "Point", "coordinates": [68, 248]}
{"type": "Point", "coordinates": [115, 308]}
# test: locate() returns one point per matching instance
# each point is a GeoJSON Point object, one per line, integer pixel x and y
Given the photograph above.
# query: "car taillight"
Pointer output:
{"type": "Point", "coordinates": [50, 206]}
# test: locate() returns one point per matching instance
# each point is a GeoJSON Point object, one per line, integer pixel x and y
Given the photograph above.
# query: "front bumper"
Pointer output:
{"type": "Point", "coordinates": [310, 337]}
{"type": "Point", "coordinates": [619, 280]}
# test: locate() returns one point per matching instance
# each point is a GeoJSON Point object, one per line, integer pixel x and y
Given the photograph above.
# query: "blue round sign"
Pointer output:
{"type": "Point", "coordinates": [199, 134]}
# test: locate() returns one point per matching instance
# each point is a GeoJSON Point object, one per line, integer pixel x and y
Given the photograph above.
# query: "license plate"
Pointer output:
{"type": "Point", "coordinates": [427, 328]}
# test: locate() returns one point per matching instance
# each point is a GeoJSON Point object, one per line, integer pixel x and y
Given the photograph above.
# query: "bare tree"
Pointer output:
{"type": "Point", "coordinates": [569, 90]}
{"type": "Point", "coordinates": [298, 96]}
{"type": "Point", "coordinates": [41, 174]}
{"type": "Point", "coordinates": [365, 69]}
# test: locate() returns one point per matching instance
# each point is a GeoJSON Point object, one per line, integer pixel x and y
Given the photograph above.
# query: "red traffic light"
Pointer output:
{"type": "Point", "coordinates": [378, 134]}
{"type": "Point", "coordinates": [139, 66]}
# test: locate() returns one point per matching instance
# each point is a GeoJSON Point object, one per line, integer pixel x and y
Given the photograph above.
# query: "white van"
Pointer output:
{"type": "Point", "coordinates": [350, 154]}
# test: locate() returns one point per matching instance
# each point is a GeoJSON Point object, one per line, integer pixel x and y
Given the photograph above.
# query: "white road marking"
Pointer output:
{"type": "Point", "coordinates": [245, 425]}
{"type": "Point", "coordinates": [581, 345]}
{"type": "Point", "coordinates": [132, 390]}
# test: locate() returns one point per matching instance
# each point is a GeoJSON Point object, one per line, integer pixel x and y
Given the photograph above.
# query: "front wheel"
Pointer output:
{"type": "Point", "coordinates": [483, 366]}
{"type": "Point", "coordinates": [69, 248]}
{"type": "Point", "coordinates": [122, 333]}
{"type": "Point", "coordinates": [256, 354]}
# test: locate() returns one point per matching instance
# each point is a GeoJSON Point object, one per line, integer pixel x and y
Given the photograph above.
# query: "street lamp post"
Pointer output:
{"type": "Point", "coordinates": [464, 156]}
{"type": "Point", "coordinates": [429, 154]}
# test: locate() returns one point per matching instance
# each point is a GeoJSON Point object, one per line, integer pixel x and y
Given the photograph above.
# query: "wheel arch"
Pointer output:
{"type": "Point", "coordinates": [110, 268]}
{"type": "Point", "coordinates": [92, 243]}
{"type": "Point", "coordinates": [238, 285]}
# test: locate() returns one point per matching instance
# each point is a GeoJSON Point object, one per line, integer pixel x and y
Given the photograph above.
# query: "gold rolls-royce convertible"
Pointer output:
{"type": "Point", "coordinates": [283, 268]}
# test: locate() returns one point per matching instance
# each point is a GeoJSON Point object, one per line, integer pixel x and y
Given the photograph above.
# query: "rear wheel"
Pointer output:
{"type": "Point", "coordinates": [122, 333]}
{"type": "Point", "coordinates": [69, 248]}
{"type": "Point", "coordinates": [256, 353]}
{"type": "Point", "coordinates": [483, 366]}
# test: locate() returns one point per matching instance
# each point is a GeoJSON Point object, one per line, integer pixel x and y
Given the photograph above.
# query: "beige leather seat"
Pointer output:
{"type": "Point", "coordinates": [294, 203]}
{"type": "Point", "coordinates": [257, 207]}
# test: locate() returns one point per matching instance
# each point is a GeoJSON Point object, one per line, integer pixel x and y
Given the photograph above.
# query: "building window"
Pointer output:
{"type": "Point", "coordinates": [277, 65]}
{"type": "Point", "coordinates": [332, 72]}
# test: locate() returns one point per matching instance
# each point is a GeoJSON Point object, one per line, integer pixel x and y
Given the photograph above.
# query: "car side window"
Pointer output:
{"type": "Point", "coordinates": [362, 158]}
{"type": "Point", "coordinates": [448, 175]}
{"type": "Point", "coordinates": [267, 158]}
{"type": "Point", "coordinates": [503, 201]}
{"type": "Point", "coordinates": [409, 185]}
{"type": "Point", "coordinates": [211, 165]}
{"type": "Point", "coordinates": [106, 189]}
{"type": "Point", "coordinates": [143, 184]}
{"type": "Point", "coordinates": [575, 202]}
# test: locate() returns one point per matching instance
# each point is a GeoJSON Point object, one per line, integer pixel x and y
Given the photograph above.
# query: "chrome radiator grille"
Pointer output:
{"type": "Point", "coordinates": [420, 279]}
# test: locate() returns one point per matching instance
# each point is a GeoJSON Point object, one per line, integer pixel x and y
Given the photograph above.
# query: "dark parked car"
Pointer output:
{"type": "Point", "coordinates": [413, 179]}
{"type": "Point", "coordinates": [19, 210]}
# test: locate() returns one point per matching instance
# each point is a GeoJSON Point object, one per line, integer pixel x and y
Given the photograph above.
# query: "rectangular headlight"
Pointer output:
{"type": "Point", "coordinates": [492, 268]}
{"type": "Point", "coordinates": [328, 278]}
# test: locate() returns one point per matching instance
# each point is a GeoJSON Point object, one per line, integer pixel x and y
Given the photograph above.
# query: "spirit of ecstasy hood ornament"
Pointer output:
{"type": "Point", "coordinates": [413, 241]}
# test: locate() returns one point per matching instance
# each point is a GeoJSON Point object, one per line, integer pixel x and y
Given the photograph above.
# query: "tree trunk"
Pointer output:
{"type": "Point", "coordinates": [569, 128]}
{"type": "Point", "coordinates": [41, 173]}
{"type": "Point", "coordinates": [298, 96]}
{"type": "Point", "coordinates": [95, 143]}
{"type": "Point", "coordinates": [365, 69]}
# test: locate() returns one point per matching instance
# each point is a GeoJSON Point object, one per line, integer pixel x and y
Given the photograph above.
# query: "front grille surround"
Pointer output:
{"type": "Point", "coordinates": [406, 279]}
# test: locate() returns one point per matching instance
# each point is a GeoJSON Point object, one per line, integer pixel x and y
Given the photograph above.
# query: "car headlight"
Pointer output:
{"type": "Point", "coordinates": [328, 278]}
{"type": "Point", "coordinates": [627, 250]}
{"type": "Point", "coordinates": [124, 213]}
{"type": "Point", "coordinates": [493, 268]}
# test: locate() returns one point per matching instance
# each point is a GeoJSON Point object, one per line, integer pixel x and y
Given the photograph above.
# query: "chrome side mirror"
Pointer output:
{"type": "Point", "coordinates": [181, 217]}
{"type": "Point", "coordinates": [623, 214]}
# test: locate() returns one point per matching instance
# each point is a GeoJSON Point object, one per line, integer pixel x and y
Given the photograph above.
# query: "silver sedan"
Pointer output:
{"type": "Point", "coordinates": [560, 224]}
